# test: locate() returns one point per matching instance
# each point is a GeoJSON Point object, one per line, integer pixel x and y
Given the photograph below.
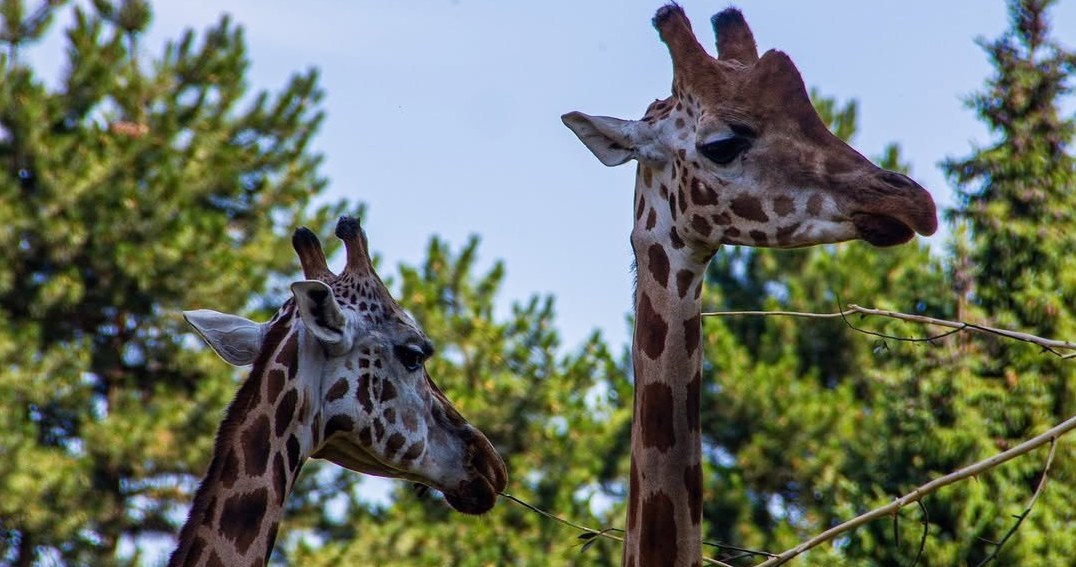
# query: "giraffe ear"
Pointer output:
{"type": "Point", "coordinates": [321, 313]}
{"type": "Point", "coordinates": [235, 339]}
{"type": "Point", "coordinates": [614, 141]}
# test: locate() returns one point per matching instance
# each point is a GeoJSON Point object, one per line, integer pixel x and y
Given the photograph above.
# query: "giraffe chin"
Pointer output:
{"type": "Point", "coordinates": [881, 230]}
{"type": "Point", "coordinates": [475, 496]}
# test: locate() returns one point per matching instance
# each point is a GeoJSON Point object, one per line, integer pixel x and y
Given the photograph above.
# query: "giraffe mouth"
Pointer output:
{"type": "Point", "coordinates": [476, 496]}
{"type": "Point", "coordinates": [882, 230]}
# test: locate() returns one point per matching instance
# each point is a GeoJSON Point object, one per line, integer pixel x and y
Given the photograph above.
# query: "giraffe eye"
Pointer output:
{"type": "Point", "coordinates": [410, 356]}
{"type": "Point", "coordinates": [723, 151]}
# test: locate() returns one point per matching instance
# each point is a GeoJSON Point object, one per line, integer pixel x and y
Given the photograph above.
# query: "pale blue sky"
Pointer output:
{"type": "Point", "coordinates": [443, 115]}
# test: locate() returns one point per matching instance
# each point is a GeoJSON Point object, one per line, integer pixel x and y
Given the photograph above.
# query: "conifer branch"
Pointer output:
{"type": "Point", "coordinates": [1050, 436]}
{"type": "Point", "coordinates": [1050, 345]}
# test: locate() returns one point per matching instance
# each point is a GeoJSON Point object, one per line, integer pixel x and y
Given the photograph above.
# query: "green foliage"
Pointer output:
{"type": "Point", "coordinates": [125, 196]}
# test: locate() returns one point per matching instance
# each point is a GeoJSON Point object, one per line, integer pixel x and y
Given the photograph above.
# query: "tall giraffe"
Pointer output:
{"type": "Point", "coordinates": [338, 374]}
{"type": "Point", "coordinates": [737, 155]}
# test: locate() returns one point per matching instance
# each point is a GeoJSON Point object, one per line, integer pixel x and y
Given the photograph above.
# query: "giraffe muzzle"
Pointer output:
{"type": "Point", "coordinates": [899, 208]}
{"type": "Point", "coordinates": [478, 494]}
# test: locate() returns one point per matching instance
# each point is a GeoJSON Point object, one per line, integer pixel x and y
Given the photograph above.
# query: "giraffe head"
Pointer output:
{"type": "Point", "coordinates": [738, 155]}
{"type": "Point", "coordinates": [351, 371]}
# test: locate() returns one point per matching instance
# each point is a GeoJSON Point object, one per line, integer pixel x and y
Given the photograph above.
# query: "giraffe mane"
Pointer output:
{"type": "Point", "coordinates": [244, 399]}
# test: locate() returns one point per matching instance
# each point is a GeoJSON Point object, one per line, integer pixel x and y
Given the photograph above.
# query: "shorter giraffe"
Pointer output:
{"type": "Point", "coordinates": [338, 374]}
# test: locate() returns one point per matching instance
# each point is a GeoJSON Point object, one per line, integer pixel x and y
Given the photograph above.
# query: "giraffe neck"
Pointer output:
{"type": "Point", "coordinates": [665, 490]}
{"type": "Point", "coordinates": [261, 445]}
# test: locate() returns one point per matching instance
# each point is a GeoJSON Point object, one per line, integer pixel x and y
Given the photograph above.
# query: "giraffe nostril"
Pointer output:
{"type": "Point", "coordinates": [897, 180]}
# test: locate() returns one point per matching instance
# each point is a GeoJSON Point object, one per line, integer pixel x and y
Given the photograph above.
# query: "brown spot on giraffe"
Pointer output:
{"type": "Point", "coordinates": [274, 384]}
{"type": "Point", "coordinates": [648, 175]}
{"type": "Point", "coordinates": [658, 264]}
{"type": "Point", "coordinates": [651, 219]}
{"type": "Point", "coordinates": [409, 420]}
{"type": "Point", "coordinates": [758, 236]}
{"type": "Point", "coordinates": [783, 205]}
{"type": "Point", "coordinates": [692, 331]}
{"type": "Point", "coordinates": [785, 233]}
{"type": "Point", "coordinates": [337, 424]}
{"type": "Point", "coordinates": [414, 451]}
{"type": "Point", "coordinates": [280, 479]}
{"type": "Point", "coordinates": [198, 546]}
{"type": "Point", "coordinates": [694, 396]}
{"type": "Point", "coordinates": [388, 392]}
{"type": "Point", "coordinates": [292, 446]}
{"type": "Point", "coordinates": [693, 486]}
{"type": "Point", "coordinates": [379, 430]}
{"type": "Point", "coordinates": [683, 280]}
{"type": "Point", "coordinates": [814, 204]}
{"type": "Point", "coordinates": [674, 237]}
{"type": "Point", "coordinates": [211, 511]}
{"type": "Point", "coordinates": [214, 560]}
{"type": "Point", "coordinates": [721, 219]}
{"type": "Point", "coordinates": [255, 443]}
{"type": "Point", "coordinates": [650, 328]}
{"type": "Point", "coordinates": [749, 207]}
{"type": "Point", "coordinates": [701, 225]}
{"type": "Point", "coordinates": [288, 354]}
{"type": "Point", "coordinates": [363, 394]}
{"type": "Point", "coordinates": [338, 390]}
{"type": "Point", "coordinates": [701, 194]}
{"type": "Point", "coordinates": [285, 411]}
{"type": "Point", "coordinates": [657, 411]}
{"type": "Point", "coordinates": [640, 208]}
{"type": "Point", "coordinates": [659, 530]}
{"type": "Point", "coordinates": [240, 517]}
{"type": "Point", "coordinates": [394, 444]}
{"type": "Point", "coordinates": [230, 470]}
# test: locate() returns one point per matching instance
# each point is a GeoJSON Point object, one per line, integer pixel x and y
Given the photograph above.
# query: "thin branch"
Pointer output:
{"type": "Point", "coordinates": [1050, 345]}
{"type": "Point", "coordinates": [926, 531]}
{"type": "Point", "coordinates": [590, 533]}
{"type": "Point", "coordinates": [1050, 436]}
{"type": "Point", "coordinates": [1027, 510]}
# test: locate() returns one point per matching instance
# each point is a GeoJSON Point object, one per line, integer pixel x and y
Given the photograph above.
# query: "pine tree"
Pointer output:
{"type": "Point", "coordinates": [134, 188]}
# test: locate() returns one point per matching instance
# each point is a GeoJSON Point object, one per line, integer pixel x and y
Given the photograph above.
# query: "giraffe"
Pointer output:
{"type": "Point", "coordinates": [337, 374]}
{"type": "Point", "coordinates": [736, 155]}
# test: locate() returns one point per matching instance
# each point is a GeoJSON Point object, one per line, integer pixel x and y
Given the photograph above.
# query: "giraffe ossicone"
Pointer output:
{"type": "Point", "coordinates": [736, 155]}
{"type": "Point", "coordinates": [338, 373]}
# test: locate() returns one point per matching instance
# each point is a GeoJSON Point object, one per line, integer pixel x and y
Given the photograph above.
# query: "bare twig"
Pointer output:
{"type": "Point", "coordinates": [926, 531]}
{"type": "Point", "coordinates": [1050, 345]}
{"type": "Point", "coordinates": [1050, 436]}
{"type": "Point", "coordinates": [589, 533]}
{"type": "Point", "coordinates": [1027, 510]}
